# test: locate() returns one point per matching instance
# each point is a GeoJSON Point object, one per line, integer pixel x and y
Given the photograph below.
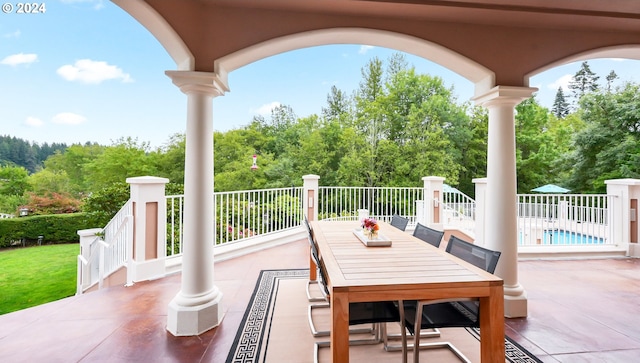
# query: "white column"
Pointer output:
{"type": "Point", "coordinates": [197, 307]}
{"type": "Point", "coordinates": [481, 201]}
{"type": "Point", "coordinates": [501, 228]}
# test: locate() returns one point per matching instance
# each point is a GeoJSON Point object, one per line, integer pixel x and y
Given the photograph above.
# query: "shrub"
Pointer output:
{"type": "Point", "coordinates": [55, 228]}
{"type": "Point", "coordinates": [53, 203]}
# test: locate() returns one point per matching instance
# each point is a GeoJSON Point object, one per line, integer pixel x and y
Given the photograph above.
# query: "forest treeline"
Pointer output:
{"type": "Point", "coordinates": [397, 127]}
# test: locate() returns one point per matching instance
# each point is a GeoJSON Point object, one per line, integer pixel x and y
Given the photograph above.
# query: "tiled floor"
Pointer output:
{"type": "Point", "coordinates": [579, 311]}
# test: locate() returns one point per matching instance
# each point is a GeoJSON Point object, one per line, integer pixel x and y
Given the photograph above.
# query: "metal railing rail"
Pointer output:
{"type": "Point", "coordinates": [381, 202]}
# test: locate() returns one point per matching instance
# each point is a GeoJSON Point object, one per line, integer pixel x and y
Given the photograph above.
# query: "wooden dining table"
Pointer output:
{"type": "Point", "coordinates": [409, 269]}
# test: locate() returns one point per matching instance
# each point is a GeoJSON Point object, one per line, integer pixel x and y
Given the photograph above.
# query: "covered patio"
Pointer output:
{"type": "Point", "coordinates": [580, 310]}
{"type": "Point", "coordinates": [495, 44]}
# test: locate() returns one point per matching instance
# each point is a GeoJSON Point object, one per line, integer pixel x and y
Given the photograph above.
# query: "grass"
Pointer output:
{"type": "Point", "coordinates": [36, 275]}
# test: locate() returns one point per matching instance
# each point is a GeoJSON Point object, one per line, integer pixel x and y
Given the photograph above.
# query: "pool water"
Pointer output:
{"type": "Point", "coordinates": [569, 238]}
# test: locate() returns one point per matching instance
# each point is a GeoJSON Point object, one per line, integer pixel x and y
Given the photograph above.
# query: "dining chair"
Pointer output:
{"type": "Point", "coordinates": [312, 246]}
{"type": "Point", "coordinates": [399, 222]}
{"type": "Point", "coordinates": [429, 235]}
{"type": "Point", "coordinates": [444, 313]}
{"type": "Point", "coordinates": [376, 312]}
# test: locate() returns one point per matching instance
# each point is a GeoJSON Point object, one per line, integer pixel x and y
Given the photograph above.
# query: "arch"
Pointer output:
{"type": "Point", "coordinates": [161, 30]}
{"type": "Point", "coordinates": [482, 77]}
{"type": "Point", "coordinates": [629, 51]}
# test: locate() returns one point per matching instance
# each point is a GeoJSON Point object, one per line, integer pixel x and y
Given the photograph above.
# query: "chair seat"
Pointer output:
{"type": "Point", "coordinates": [442, 315]}
{"type": "Point", "coordinates": [373, 312]}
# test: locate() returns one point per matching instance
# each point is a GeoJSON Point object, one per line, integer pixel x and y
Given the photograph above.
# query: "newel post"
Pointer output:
{"type": "Point", "coordinates": [310, 210]}
{"type": "Point", "coordinates": [481, 193]}
{"type": "Point", "coordinates": [150, 231]}
{"type": "Point", "coordinates": [623, 213]}
{"type": "Point", "coordinates": [432, 205]}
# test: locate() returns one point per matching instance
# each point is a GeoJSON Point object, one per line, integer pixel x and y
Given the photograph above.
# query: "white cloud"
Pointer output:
{"type": "Point", "coordinates": [20, 58]}
{"type": "Point", "coordinates": [561, 82]}
{"type": "Point", "coordinates": [265, 110]}
{"type": "Point", "coordinates": [15, 34]}
{"type": "Point", "coordinates": [33, 122]}
{"type": "Point", "coordinates": [68, 118]}
{"type": "Point", "coordinates": [365, 48]}
{"type": "Point", "coordinates": [93, 72]}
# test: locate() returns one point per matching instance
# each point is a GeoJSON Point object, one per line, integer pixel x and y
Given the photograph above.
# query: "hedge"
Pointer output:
{"type": "Point", "coordinates": [55, 229]}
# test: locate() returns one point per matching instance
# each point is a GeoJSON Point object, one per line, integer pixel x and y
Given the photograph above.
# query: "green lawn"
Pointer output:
{"type": "Point", "coordinates": [36, 275]}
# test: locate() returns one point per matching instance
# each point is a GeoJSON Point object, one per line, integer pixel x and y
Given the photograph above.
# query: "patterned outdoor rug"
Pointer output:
{"type": "Point", "coordinates": [259, 336]}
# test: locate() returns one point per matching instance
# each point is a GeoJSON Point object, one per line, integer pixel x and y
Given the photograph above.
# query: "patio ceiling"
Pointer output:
{"type": "Point", "coordinates": [512, 40]}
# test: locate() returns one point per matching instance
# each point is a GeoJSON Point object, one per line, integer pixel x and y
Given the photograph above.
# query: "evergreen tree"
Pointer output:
{"type": "Point", "coordinates": [612, 76]}
{"type": "Point", "coordinates": [560, 105]}
{"type": "Point", "coordinates": [584, 81]}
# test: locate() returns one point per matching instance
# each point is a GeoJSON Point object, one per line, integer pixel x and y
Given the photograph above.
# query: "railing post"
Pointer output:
{"type": "Point", "coordinates": [433, 211]}
{"type": "Point", "coordinates": [149, 207]}
{"type": "Point", "coordinates": [481, 191]}
{"type": "Point", "coordinates": [623, 213]}
{"type": "Point", "coordinates": [87, 236]}
{"type": "Point", "coordinates": [310, 196]}
{"type": "Point", "coordinates": [310, 210]}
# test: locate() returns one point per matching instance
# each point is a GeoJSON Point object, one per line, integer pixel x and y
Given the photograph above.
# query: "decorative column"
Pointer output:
{"type": "Point", "coordinates": [197, 307]}
{"type": "Point", "coordinates": [501, 227]}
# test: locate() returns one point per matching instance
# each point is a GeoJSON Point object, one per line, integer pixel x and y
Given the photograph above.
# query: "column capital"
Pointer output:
{"type": "Point", "coordinates": [207, 83]}
{"type": "Point", "coordinates": [504, 95]}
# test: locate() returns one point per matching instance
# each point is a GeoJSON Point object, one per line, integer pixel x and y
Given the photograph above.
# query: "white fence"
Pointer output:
{"type": "Point", "coordinates": [382, 203]}
{"type": "Point", "coordinates": [6, 216]}
{"type": "Point", "coordinates": [564, 219]}
{"type": "Point", "coordinates": [543, 219]}
{"type": "Point", "coordinates": [240, 215]}
{"type": "Point", "coordinates": [108, 252]}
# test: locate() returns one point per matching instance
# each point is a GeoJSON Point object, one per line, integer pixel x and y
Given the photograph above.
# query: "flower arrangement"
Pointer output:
{"type": "Point", "coordinates": [370, 227]}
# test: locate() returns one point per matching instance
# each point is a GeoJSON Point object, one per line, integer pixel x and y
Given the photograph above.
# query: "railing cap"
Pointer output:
{"type": "Point", "coordinates": [147, 180]}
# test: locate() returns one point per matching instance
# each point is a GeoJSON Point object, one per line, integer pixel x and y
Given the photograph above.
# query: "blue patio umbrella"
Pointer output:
{"type": "Point", "coordinates": [550, 188]}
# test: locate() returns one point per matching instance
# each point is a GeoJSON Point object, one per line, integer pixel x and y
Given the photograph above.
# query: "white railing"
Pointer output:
{"type": "Point", "coordinates": [240, 215]}
{"type": "Point", "coordinates": [6, 216]}
{"type": "Point", "coordinates": [557, 219]}
{"type": "Point", "coordinates": [564, 219]}
{"type": "Point", "coordinates": [381, 202]}
{"type": "Point", "coordinates": [109, 251]}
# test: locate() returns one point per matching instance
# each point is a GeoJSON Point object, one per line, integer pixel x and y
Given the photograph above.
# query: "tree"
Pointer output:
{"type": "Point", "coordinates": [583, 81]}
{"type": "Point", "coordinates": [72, 161]}
{"type": "Point", "coordinates": [13, 180]}
{"type": "Point", "coordinates": [125, 158]}
{"type": "Point", "coordinates": [612, 76]}
{"type": "Point", "coordinates": [607, 148]}
{"type": "Point", "coordinates": [535, 151]}
{"type": "Point", "coordinates": [560, 105]}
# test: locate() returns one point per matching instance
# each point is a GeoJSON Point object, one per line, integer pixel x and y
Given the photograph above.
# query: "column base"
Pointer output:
{"type": "Point", "coordinates": [634, 250]}
{"type": "Point", "coordinates": [515, 306]}
{"type": "Point", "coordinates": [194, 320]}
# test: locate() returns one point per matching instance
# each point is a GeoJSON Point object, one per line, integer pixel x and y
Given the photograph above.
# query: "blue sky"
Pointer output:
{"type": "Point", "coordinates": [87, 71]}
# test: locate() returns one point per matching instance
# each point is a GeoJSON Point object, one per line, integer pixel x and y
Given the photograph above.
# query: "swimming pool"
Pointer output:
{"type": "Point", "coordinates": [562, 237]}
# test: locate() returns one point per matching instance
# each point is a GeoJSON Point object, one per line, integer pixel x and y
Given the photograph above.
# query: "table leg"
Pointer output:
{"type": "Point", "coordinates": [492, 326]}
{"type": "Point", "coordinates": [339, 327]}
